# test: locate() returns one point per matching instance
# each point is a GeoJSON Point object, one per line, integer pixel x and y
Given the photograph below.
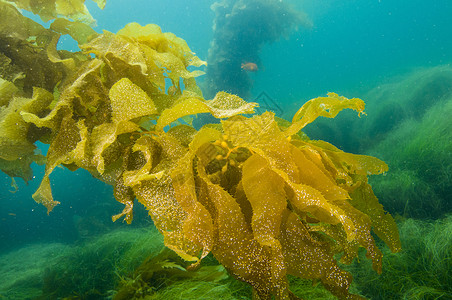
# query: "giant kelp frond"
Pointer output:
{"type": "Point", "coordinates": [110, 97]}
{"type": "Point", "coordinates": [266, 201]}
{"type": "Point", "coordinates": [282, 195]}
{"type": "Point", "coordinates": [327, 107]}
{"type": "Point", "coordinates": [52, 9]}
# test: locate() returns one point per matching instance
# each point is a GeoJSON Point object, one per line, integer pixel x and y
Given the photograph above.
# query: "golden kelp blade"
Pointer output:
{"type": "Point", "coordinates": [322, 106]}
{"type": "Point", "coordinates": [224, 105]}
{"type": "Point", "coordinates": [124, 95]}
{"type": "Point", "coordinates": [52, 9]}
{"type": "Point", "coordinates": [80, 32]}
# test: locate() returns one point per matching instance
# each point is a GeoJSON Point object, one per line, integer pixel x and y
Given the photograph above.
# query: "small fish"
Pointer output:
{"type": "Point", "coordinates": [249, 66]}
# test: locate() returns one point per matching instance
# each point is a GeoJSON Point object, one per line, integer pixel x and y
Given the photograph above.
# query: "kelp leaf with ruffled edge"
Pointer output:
{"type": "Point", "coordinates": [152, 35]}
{"type": "Point", "coordinates": [14, 131]}
{"type": "Point", "coordinates": [60, 151]}
{"type": "Point", "coordinates": [51, 9]}
{"type": "Point", "coordinates": [129, 101]}
{"type": "Point", "coordinates": [224, 105]}
{"type": "Point", "coordinates": [80, 32]}
{"type": "Point", "coordinates": [158, 55]}
{"type": "Point", "coordinates": [14, 24]}
{"type": "Point", "coordinates": [327, 107]}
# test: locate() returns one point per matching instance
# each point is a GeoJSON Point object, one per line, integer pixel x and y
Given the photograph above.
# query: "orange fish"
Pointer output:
{"type": "Point", "coordinates": [250, 67]}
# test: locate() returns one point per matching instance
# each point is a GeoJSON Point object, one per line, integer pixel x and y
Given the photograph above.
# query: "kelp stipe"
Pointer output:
{"type": "Point", "coordinates": [265, 200]}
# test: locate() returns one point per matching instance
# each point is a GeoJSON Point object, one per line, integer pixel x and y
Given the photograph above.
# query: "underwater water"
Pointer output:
{"type": "Point", "coordinates": [395, 56]}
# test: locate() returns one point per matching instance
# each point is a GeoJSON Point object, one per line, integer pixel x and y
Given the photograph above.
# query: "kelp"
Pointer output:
{"type": "Point", "coordinates": [17, 137]}
{"type": "Point", "coordinates": [52, 9]}
{"type": "Point", "coordinates": [254, 191]}
{"type": "Point", "coordinates": [23, 56]}
{"type": "Point", "coordinates": [30, 67]}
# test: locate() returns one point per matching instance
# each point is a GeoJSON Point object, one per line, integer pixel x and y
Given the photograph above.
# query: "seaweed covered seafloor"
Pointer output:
{"type": "Point", "coordinates": [423, 270]}
{"type": "Point", "coordinates": [420, 155]}
{"type": "Point", "coordinates": [252, 192]}
{"type": "Point", "coordinates": [418, 148]}
{"type": "Point", "coordinates": [99, 267]}
{"type": "Point", "coordinates": [89, 269]}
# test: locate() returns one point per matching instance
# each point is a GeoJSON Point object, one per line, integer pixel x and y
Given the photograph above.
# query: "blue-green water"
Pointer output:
{"type": "Point", "coordinates": [353, 48]}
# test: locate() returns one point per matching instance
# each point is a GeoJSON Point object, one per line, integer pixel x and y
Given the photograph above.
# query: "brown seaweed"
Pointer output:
{"type": "Point", "coordinates": [254, 191]}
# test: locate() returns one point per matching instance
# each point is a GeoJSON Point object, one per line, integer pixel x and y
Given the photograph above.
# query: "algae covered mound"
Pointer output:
{"type": "Point", "coordinates": [260, 196]}
{"type": "Point", "coordinates": [419, 154]}
{"type": "Point", "coordinates": [421, 271]}
{"type": "Point", "coordinates": [22, 270]}
{"type": "Point", "coordinates": [418, 144]}
{"type": "Point", "coordinates": [405, 98]}
{"type": "Point", "coordinates": [89, 269]}
{"type": "Point", "coordinates": [397, 99]}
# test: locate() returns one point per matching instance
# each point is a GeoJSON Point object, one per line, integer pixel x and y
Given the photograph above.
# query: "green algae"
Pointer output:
{"type": "Point", "coordinates": [51, 271]}
{"type": "Point", "coordinates": [419, 153]}
{"type": "Point", "coordinates": [22, 269]}
{"type": "Point", "coordinates": [421, 271]}
{"type": "Point", "coordinates": [97, 267]}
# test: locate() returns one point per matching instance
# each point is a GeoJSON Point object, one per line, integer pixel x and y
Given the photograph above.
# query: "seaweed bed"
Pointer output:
{"type": "Point", "coordinates": [96, 268]}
